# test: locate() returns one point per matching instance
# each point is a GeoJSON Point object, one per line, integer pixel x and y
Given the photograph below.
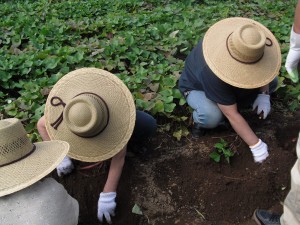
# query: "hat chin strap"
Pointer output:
{"type": "Point", "coordinates": [86, 115]}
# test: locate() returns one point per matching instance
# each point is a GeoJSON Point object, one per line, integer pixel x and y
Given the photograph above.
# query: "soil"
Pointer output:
{"type": "Point", "coordinates": [178, 183]}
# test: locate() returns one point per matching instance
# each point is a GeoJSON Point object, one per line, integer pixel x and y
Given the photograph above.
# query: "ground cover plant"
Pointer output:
{"type": "Point", "coordinates": [145, 43]}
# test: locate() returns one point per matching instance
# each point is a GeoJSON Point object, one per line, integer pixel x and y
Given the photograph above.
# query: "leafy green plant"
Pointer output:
{"type": "Point", "coordinates": [144, 43]}
{"type": "Point", "coordinates": [222, 149]}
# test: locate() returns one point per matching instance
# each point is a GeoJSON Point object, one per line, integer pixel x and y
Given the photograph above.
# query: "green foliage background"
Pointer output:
{"type": "Point", "coordinates": [143, 42]}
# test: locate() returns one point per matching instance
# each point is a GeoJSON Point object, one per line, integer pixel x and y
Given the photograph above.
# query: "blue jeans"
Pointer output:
{"type": "Point", "coordinates": [207, 112]}
{"type": "Point", "coordinates": [145, 127]}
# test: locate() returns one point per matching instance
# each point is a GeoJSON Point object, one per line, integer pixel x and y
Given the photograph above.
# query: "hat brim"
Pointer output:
{"type": "Point", "coordinates": [37, 165]}
{"type": "Point", "coordinates": [122, 114]}
{"type": "Point", "coordinates": [231, 71]}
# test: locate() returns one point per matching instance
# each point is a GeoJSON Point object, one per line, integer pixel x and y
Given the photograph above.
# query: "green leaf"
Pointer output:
{"type": "Point", "coordinates": [78, 56]}
{"type": "Point", "coordinates": [159, 106]}
{"type": "Point", "coordinates": [215, 156]}
{"type": "Point", "coordinates": [139, 103]}
{"type": "Point", "coordinates": [182, 101]}
{"type": "Point", "coordinates": [136, 210]}
{"type": "Point", "coordinates": [169, 81]}
{"type": "Point", "coordinates": [155, 77]}
{"type": "Point", "coordinates": [169, 107]}
{"type": "Point", "coordinates": [227, 153]}
{"type": "Point", "coordinates": [177, 134]}
{"type": "Point", "coordinates": [219, 146]}
{"type": "Point", "coordinates": [51, 62]}
{"type": "Point", "coordinates": [176, 93]}
{"type": "Point", "coordinates": [5, 76]}
{"type": "Point", "coordinates": [12, 112]}
{"type": "Point", "coordinates": [182, 132]}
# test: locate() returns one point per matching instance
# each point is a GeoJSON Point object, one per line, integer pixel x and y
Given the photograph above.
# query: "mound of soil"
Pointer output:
{"type": "Point", "coordinates": [178, 183]}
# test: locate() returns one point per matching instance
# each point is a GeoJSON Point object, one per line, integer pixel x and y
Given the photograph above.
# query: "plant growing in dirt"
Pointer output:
{"type": "Point", "coordinates": [222, 149]}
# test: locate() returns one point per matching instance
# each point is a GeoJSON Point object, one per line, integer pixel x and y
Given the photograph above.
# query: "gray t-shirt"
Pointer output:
{"type": "Point", "coordinates": [43, 203]}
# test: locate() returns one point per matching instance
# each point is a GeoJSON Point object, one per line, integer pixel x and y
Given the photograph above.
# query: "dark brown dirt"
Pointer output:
{"type": "Point", "coordinates": [179, 184]}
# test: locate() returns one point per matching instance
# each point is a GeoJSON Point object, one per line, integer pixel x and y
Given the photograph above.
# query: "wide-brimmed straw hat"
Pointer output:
{"type": "Point", "coordinates": [242, 52]}
{"type": "Point", "coordinates": [93, 111]}
{"type": "Point", "coordinates": [23, 163]}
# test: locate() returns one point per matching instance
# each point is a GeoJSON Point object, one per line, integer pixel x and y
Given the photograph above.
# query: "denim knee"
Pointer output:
{"type": "Point", "coordinates": [208, 119]}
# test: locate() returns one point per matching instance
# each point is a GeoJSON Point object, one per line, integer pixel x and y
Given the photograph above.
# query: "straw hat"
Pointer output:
{"type": "Point", "coordinates": [93, 111]}
{"type": "Point", "coordinates": [242, 52]}
{"type": "Point", "coordinates": [23, 163]}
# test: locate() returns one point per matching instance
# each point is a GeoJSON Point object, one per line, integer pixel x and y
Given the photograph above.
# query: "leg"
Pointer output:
{"type": "Point", "coordinates": [273, 85]}
{"type": "Point", "coordinates": [145, 127]}
{"type": "Point", "coordinates": [206, 113]}
{"type": "Point", "coordinates": [291, 207]}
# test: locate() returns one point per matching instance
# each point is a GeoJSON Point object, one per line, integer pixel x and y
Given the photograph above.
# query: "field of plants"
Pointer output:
{"type": "Point", "coordinates": [142, 42]}
{"type": "Point", "coordinates": [145, 44]}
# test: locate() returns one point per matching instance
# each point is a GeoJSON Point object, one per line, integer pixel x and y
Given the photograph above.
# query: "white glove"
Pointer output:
{"type": "Point", "coordinates": [262, 103]}
{"type": "Point", "coordinates": [65, 167]}
{"type": "Point", "coordinates": [259, 151]}
{"type": "Point", "coordinates": [293, 56]}
{"type": "Point", "coordinates": [106, 206]}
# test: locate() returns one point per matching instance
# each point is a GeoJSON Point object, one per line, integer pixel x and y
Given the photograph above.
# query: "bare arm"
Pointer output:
{"type": "Point", "coordinates": [41, 126]}
{"type": "Point", "coordinates": [115, 171]}
{"type": "Point", "coordinates": [297, 18]}
{"type": "Point", "coordinates": [239, 124]}
{"type": "Point", "coordinates": [116, 165]}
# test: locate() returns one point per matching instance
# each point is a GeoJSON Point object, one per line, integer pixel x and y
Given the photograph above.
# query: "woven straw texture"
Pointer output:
{"type": "Point", "coordinates": [231, 71]}
{"type": "Point", "coordinates": [45, 202]}
{"type": "Point", "coordinates": [14, 143]}
{"type": "Point", "coordinates": [121, 114]}
{"type": "Point", "coordinates": [30, 169]}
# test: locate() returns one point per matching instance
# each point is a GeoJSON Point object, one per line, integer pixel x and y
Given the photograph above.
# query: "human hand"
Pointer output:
{"type": "Point", "coordinates": [293, 56]}
{"type": "Point", "coordinates": [262, 103]}
{"type": "Point", "coordinates": [65, 167]}
{"type": "Point", "coordinates": [106, 206]}
{"type": "Point", "coordinates": [259, 151]}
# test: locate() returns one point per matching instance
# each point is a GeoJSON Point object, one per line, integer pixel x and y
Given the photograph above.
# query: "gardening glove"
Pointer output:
{"type": "Point", "coordinates": [65, 167]}
{"type": "Point", "coordinates": [106, 206]}
{"type": "Point", "coordinates": [259, 151]}
{"type": "Point", "coordinates": [263, 104]}
{"type": "Point", "coordinates": [293, 57]}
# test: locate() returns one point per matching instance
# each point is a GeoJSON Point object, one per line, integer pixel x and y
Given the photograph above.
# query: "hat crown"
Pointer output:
{"type": "Point", "coordinates": [86, 115]}
{"type": "Point", "coordinates": [14, 143]}
{"type": "Point", "coordinates": [250, 35]}
{"type": "Point", "coordinates": [247, 43]}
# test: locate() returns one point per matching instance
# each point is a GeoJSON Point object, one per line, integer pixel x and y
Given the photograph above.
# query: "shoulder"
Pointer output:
{"type": "Point", "coordinates": [45, 202]}
{"type": "Point", "coordinates": [46, 186]}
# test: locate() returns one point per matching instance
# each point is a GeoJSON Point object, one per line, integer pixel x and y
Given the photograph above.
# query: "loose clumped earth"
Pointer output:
{"type": "Point", "coordinates": [178, 183]}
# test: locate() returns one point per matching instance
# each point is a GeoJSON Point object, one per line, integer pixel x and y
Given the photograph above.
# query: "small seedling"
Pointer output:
{"type": "Point", "coordinates": [222, 148]}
